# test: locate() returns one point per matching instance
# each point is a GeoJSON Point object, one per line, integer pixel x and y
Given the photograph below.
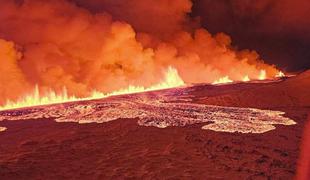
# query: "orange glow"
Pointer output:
{"type": "Point", "coordinates": [262, 75]}
{"type": "Point", "coordinates": [97, 53]}
{"type": "Point", "coordinates": [246, 78]}
{"type": "Point", "coordinates": [172, 79]}
{"type": "Point", "coordinates": [223, 80]}
{"type": "Point", "coordinates": [280, 74]}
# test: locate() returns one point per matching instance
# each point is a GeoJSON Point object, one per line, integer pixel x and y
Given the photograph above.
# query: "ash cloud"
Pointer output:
{"type": "Point", "coordinates": [56, 44]}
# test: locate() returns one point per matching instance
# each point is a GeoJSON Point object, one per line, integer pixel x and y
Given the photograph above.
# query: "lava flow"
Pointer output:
{"type": "Point", "coordinates": [171, 80]}
{"type": "Point", "coordinates": [172, 107]}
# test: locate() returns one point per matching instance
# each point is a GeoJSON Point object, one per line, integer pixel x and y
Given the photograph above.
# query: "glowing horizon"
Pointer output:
{"type": "Point", "coordinates": [171, 80]}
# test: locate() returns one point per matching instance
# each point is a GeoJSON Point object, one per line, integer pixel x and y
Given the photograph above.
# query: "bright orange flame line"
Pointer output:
{"type": "Point", "coordinates": [172, 79]}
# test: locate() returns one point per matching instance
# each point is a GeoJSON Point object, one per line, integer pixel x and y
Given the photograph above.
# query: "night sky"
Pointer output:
{"type": "Point", "coordinates": [278, 29]}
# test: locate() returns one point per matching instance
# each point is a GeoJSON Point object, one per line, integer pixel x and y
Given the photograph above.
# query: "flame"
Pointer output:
{"type": "Point", "coordinates": [223, 80]}
{"type": "Point", "coordinates": [262, 75]}
{"type": "Point", "coordinates": [246, 78]}
{"type": "Point", "coordinates": [171, 80]}
{"type": "Point", "coordinates": [280, 74]}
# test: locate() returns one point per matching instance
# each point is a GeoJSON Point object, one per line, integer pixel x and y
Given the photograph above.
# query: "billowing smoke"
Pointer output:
{"type": "Point", "coordinates": [12, 80]}
{"type": "Point", "coordinates": [56, 44]}
{"type": "Point", "coordinates": [161, 17]}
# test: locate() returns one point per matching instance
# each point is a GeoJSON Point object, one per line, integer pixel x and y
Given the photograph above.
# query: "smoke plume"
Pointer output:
{"type": "Point", "coordinates": [56, 44]}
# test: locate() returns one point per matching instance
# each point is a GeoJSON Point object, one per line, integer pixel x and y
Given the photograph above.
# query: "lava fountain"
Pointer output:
{"type": "Point", "coordinates": [171, 80]}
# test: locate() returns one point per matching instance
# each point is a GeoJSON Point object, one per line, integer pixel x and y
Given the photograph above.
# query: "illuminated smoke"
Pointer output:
{"type": "Point", "coordinates": [57, 44]}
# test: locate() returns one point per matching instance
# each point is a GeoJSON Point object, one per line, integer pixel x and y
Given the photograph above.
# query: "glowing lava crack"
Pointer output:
{"type": "Point", "coordinates": [2, 129]}
{"type": "Point", "coordinates": [160, 109]}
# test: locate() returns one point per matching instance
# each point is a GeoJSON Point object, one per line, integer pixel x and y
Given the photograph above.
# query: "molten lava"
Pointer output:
{"type": "Point", "coordinates": [280, 74]}
{"type": "Point", "coordinates": [246, 78]}
{"type": "Point", "coordinates": [223, 80]}
{"type": "Point", "coordinates": [172, 79]}
{"type": "Point", "coordinates": [262, 75]}
{"type": "Point", "coordinates": [161, 109]}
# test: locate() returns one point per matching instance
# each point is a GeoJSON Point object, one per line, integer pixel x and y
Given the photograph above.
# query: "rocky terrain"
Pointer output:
{"type": "Point", "coordinates": [242, 130]}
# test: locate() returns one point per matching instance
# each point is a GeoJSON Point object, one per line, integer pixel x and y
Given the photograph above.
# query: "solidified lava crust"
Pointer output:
{"type": "Point", "coordinates": [159, 109]}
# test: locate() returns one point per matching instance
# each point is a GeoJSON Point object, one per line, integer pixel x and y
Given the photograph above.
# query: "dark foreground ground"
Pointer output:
{"type": "Point", "coordinates": [44, 149]}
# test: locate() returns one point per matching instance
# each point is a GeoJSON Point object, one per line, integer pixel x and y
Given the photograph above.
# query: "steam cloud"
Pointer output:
{"type": "Point", "coordinates": [56, 44]}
